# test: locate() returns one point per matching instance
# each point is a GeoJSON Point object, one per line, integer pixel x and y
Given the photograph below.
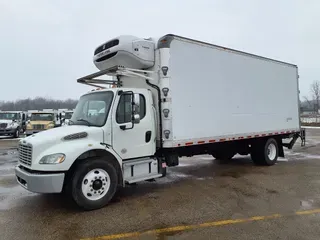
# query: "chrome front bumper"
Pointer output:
{"type": "Point", "coordinates": [40, 183]}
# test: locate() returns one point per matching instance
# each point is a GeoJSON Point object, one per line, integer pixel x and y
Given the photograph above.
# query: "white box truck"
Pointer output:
{"type": "Point", "coordinates": [170, 97]}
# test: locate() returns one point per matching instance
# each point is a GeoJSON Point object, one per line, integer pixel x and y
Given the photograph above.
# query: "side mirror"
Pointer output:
{"type": "Point", "coordinates": [136, 108]}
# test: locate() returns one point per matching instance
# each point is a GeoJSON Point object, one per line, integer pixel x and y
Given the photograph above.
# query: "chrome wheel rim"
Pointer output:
{"type": "Point", "coordinates": [95, 184]}
{"type": "Point", "coordinates": [272, 151]}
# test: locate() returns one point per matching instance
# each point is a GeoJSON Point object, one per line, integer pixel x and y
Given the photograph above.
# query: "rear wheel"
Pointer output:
{"type": "Point", "coordinates": [93, 184]}
{"type": "Point", "coordinates": [265, 152]}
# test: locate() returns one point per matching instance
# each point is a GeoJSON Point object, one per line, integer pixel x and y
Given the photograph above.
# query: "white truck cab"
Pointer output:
{"type": "Point", "coordinates": [12, 123]}
{"type": "Point", "coordinates": [151, 111]}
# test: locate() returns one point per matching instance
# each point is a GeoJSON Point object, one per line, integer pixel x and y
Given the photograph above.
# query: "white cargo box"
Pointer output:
{"type": "Point", "coordinates": [217, 93]}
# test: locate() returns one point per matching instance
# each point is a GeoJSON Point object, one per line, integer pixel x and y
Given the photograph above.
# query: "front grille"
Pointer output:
{"type": "Point", "coordinates": [25, 154]}
{"type": "Point", "coordinates": [38, 127]}
{"type": "Point", "coordinates": [3, 125]}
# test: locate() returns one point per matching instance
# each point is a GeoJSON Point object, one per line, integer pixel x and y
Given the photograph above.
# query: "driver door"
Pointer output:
{"type": "Point", "coordinates": [138, 139]}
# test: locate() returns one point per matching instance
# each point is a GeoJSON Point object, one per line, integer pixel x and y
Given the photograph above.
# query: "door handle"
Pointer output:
{"type": "Point", "coordinates": [148, 136]}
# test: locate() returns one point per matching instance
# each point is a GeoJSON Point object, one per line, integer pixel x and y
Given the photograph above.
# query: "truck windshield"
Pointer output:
{"type": "Point", "coordinates": [92, 109]}
{"type": "Point", "coordinates": [8, 116]}
{"type": "Point", "coordinates": [42, 117]}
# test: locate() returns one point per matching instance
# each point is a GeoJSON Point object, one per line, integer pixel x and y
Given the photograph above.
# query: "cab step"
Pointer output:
{"type": "Point", "coordinates": [141, 169]}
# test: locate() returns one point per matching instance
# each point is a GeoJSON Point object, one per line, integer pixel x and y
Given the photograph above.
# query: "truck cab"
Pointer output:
{"type": "Point", "coordinates": [12, 123]}
{"type": "Point", "coordinates": [40, 121]}
{"type": "Point", "coordinates": [110, 140]}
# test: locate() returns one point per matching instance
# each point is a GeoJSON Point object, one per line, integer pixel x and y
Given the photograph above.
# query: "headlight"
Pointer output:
{"type": "Point", "coordinates": [53, 158]}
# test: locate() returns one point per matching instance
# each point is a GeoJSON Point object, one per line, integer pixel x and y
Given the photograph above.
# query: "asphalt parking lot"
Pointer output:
{"type": "Point", "coordinates": [202, 198]}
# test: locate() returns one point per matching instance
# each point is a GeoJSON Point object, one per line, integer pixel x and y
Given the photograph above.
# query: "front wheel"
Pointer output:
{"type": "Point", "coordinates": [16, 133]}
{"type": "Point", "coordinates": [94, 184]}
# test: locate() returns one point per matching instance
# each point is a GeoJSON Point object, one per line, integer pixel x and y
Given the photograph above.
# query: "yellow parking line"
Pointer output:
{"type": "Point", "coordinates": [201, 225]}
{"type": "Point", "coordinates": [308, 212]}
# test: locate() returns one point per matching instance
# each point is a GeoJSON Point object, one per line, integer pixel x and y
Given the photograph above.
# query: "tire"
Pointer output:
{"type": "Point", "coordinates": [91, 178]}
{"type": "Point", "coordinates": [16, 133]}
{"type": "Point", "coordinates": [223, 155]}
{"type": "Point", "coordinates": [265, 153]}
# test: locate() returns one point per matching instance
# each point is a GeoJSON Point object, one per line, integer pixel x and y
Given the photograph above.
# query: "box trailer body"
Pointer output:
{"type": "Point", "coordinates": [168, 97]}
{"type": "Point", "coordinates": [217, 93]}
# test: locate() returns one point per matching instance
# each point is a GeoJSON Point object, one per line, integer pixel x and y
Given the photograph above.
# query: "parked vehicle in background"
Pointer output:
{"type": "Point", "coordinates": [57, 114]}
{"type": "Point", "coordinates": [170, 97]}
{"type": "Point", "coordinates": [41, 121]}
{"type": "Point", "coordinates": [12, 123]}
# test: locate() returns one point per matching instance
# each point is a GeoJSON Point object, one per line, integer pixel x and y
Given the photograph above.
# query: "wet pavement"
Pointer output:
{"type": "Point", "coordinates": [197, 196]}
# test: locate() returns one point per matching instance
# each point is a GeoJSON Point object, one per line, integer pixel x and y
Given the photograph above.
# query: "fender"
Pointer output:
{"type": "Point", "coordinates": [106, 153]}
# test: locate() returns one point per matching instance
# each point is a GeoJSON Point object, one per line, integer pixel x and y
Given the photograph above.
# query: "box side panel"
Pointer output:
{"type": "Point", "coordinates": [216, 92]}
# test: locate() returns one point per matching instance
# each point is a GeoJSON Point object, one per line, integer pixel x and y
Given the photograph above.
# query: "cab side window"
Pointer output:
{"type": "Point", "coordinates": [124, 109]}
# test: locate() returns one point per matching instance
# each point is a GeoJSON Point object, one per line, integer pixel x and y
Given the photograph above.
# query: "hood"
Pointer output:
{"type": "Point", "coordinates": [55, 135]}
{"type": "Point", "coordinates": [5, 121]}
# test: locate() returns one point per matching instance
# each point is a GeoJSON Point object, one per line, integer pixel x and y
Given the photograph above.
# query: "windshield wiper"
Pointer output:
{"type": "Point", "coordinates": [83, 120]}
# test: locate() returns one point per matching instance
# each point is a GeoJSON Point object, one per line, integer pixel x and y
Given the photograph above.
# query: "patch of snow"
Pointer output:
{"type": "Point", "coordinates": [283, 160]}
{"type": "Point", "coordinates": [306, 204]}
{"type": "Point", "coordinates": [184, 164]}
{"type": "Point", "coordinates": [206, 158]}
{"type": "Point", "coordinates": [311, 127]}
{"type": "Point", "coordinates": [9, 139]}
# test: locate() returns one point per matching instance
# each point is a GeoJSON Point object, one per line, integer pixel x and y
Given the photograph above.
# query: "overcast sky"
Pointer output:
{"type": "Point", "coordinates": [47, 44]}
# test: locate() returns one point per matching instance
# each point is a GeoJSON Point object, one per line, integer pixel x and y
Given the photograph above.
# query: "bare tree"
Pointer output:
{"type": "Point", "coordinates": [37, 103]}
{"type": "Point", "coordinates": [308, 101]}
{"type": "Point", "coordinates": [315, 91]}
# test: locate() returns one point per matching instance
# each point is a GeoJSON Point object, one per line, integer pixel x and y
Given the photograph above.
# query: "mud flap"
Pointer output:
{"type": "Point", "coordinates": [280, 148]}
